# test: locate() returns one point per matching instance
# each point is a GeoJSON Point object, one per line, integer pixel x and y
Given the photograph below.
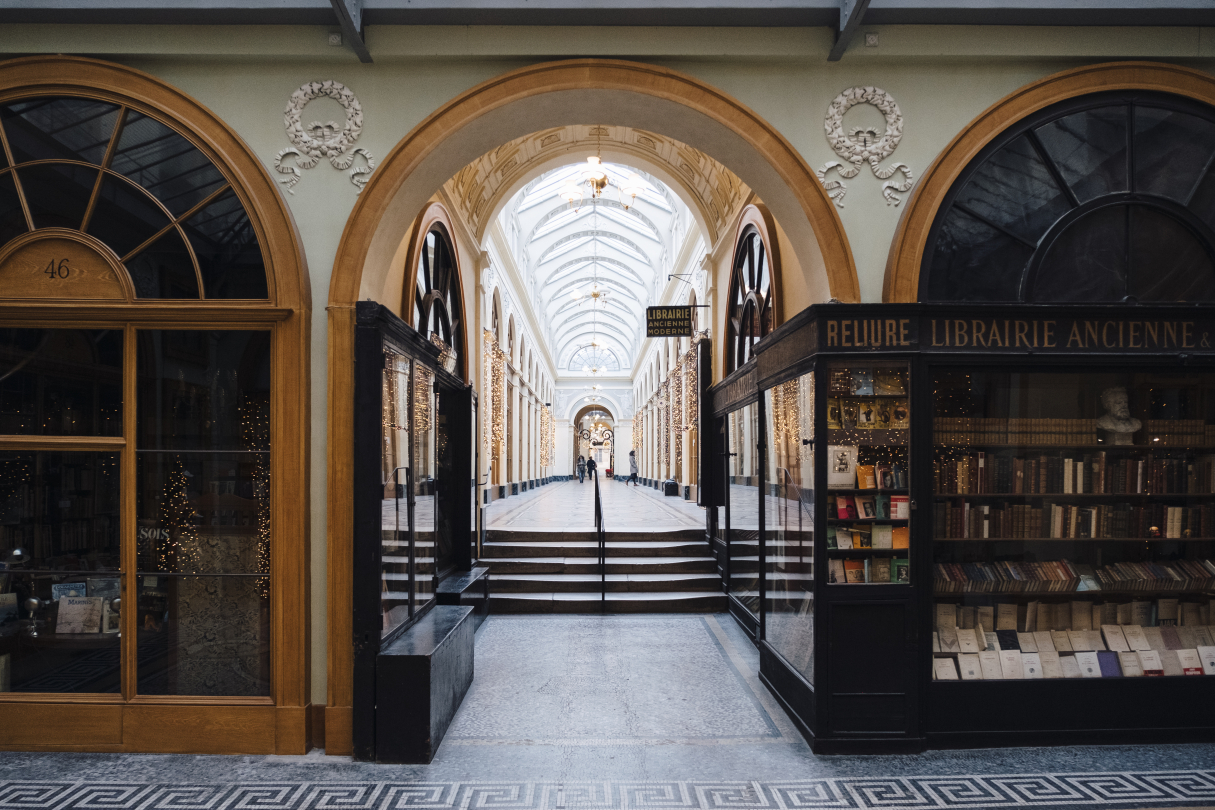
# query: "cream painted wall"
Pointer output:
{"type": "Point", "coordinates": [941, 77]}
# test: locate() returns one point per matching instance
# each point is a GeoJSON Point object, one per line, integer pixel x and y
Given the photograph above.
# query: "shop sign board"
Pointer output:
{"type": "Point", "coordinates": [668, 321]}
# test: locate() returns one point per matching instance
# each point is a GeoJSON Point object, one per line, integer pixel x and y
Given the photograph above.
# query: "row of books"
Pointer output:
{"type": "Point", "coordinates": [1115, 637]}
{"type": "Point", "coordinates": [1077, 614]}
{"type": "Point", "coordinates": [979, 430]}
{"type": "Point", "coordinates": [869, 570]}
{"type": "Point", "coordinates": [1068, 473]}
{"type": "Point", "coordinates": [879, 506]}
{"type": "Point", "coordinates": [1013, 665]}
{"type": "Point", "coordinates": [1180, 432]}
{"type": "Point", "coordinates": [1064, 576]}
{"type": "Point", "coordinates": [959, 519]}
{"type": "Point", "coordinates": [868, 535]}
{"type": "Point", "coordinates": [1008, 577]}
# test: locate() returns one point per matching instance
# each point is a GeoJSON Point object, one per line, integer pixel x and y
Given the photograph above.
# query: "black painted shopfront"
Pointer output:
{"type": "Point", "coordinates": [949, 512]}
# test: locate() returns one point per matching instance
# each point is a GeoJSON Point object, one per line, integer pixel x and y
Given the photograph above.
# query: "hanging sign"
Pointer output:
{"type": "Point", "coordinates": [668, 321]}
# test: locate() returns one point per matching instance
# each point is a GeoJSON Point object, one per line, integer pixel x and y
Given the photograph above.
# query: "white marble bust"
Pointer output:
{"type": "Point", "coordinates": [1117, 418]}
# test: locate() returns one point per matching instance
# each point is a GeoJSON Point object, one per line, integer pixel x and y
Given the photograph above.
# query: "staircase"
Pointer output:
{"type": "Point", "coordinates": [558, 572]}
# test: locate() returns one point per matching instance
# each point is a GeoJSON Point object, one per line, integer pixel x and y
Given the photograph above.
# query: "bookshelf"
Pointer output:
{"type": "Point", "coordinates": [1072, 511]}
{"type": "Point", "coordinates": [868, 517]}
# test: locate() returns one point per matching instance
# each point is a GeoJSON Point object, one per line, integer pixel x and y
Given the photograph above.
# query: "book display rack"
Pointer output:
{"type": "Point", "coordinates": [1011, 533]}
{"type": "Point", "coordinates": [1091, 559]}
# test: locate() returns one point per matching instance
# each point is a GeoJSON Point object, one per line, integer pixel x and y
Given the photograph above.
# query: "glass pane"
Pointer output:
{"type": "Point", "coordinates": [1168, 263]}
{"type": "Point", "coordinates": [124, 217]}
{"type": "Point", "coordinates": [204, 390]}
{"type": "Point", "coordinates": [164, 269]}
{"type": "Point", "coordinates": [12, 217]}
{"type": "Point", "coordinates": [394, 527]}
{"type": "Point", "coordinates": [1089, 149]}
{"type": "Point", "coordinates": [227, 249]}
{"type": "Point", "coordinates": [61, 382]}
{"type": "Point", "coordinates": [425, 468]}
{"type": "Point", "coordinates": [58, 511]}
{"type": "Point", "coordinates": [1086, 263]}
{"type": "Point", "coordinates": [57, 193]}
{"type": "Point", "coordinates": [203, 513]}
{"type": "Point", "coordinates": [868, 473]}
{"type": "Point", "coordinates": [1171, 148]}
{"type": "Point", "coordinates": [164, 163]}
{"type": "Point", "coordinates": [743, 492]}
{"type": "Point", "coordinates": [204, 636]}
{"type": "Point", "coordinates": [59, 128]}
{"type": "Point", "coordinates": [1015, 190]}
{"type": "Point", "coordinates": [1071, 522]}
{"type": "Point", "coordinates": [60, 633]}
{"type": "Point", "coordinates": [972, 261]}
{"type": "Point", "coordinates": [789, 522]}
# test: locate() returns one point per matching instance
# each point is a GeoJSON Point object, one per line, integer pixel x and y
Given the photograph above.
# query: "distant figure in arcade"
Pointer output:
{"type": "Point", "coordinates": [590, 466]}
{"type": "Point", "coordinates": [581, 469]}
{"type": "Point", "coordinates": [632, 468]}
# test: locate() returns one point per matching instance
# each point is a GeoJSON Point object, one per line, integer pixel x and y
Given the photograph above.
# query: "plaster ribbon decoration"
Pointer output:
{"type": "Point", "coordinates": [323, 140]}
{"type": "Point", "coordinates": [864, 145]}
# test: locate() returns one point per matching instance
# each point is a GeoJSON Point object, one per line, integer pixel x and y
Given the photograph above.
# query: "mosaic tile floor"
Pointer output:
{"type": "Point", "coordinates": [616, 712]}
{"type": "Point", "coordinates": [568, 505]}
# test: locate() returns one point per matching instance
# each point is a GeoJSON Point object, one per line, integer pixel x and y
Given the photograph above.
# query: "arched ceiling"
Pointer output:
{"type": "Point", "coordinates": [593, 266]}
{"type": "Point", "coordinates": [712, 191]}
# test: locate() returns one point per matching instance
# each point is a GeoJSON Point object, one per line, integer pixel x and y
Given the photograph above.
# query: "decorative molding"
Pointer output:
{"type": "Point", "coordinates": [323, 140]}
{"type": "Point", "coordinates": [864, 145]}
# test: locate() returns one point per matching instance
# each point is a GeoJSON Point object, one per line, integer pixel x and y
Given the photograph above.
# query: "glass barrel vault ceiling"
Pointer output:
{"type": "Point", "coordinates": [563, 250]}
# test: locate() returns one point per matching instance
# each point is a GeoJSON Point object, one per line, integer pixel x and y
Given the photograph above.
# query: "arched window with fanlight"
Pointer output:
{"type": "Point", "coordinates": [751, 307]}
{"type": "Point", "coordinates": [173, 435]}
{"type": "Point", "coordinates": [1104, 198]}
{"type": "Point", "coordinates": [435, 294]}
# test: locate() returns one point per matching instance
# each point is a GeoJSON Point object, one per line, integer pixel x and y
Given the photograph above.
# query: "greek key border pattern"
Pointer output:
{"type": "Point", "coordinates": [1116, 789]}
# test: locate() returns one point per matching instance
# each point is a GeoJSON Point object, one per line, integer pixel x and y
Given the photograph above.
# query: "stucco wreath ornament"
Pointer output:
{"type": "Point", "coordinates": [864, 145]}
{"type": "Point", "coordinates": [323, 140]}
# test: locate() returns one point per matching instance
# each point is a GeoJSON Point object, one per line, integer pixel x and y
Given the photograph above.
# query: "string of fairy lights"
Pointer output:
{"type": "Point", "coordinates": [672, 410]}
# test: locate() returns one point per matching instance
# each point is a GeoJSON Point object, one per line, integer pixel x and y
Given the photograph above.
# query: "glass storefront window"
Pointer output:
{"type": "Point", "coordinates": [789, 522]}
{"type": "Point", "coordinates": [868, 473]}
{"type": "Point", "coordinates": [61, 382]}
{"type": "Point", "coordinates": [1072, 523]}
{"type": "Point", "coordinates": [394, 526]}
{"type": "Point", "coordinates": [425, 469]}
{"type": "Point", "coordinates": [742, 490]}
{"type": "Point", "coordinates": [203, 508]}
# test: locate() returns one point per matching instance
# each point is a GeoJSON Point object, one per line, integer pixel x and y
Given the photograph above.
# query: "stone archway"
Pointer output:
{"type": "Point", "coordinates": [523, 101]}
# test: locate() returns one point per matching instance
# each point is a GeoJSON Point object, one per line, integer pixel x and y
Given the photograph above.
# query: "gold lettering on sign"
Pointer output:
{"type": "Point", "coordinates": [59, 267]}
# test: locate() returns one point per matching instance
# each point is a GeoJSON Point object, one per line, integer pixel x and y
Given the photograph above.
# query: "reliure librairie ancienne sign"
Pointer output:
{"type": "Point", "coordinates": [668, 321]}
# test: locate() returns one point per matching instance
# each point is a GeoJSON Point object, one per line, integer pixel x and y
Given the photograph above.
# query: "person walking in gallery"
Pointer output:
{"type": "Point", "coordinates": [632, 468]}
{"type": "Point", "coordinates": [590, 466]}
{"type": "Point", "coordinates": [581, 469]}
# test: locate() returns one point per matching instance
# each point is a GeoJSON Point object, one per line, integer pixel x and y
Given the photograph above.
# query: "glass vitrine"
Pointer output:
{"type": "Point", "coordinates": [742, 495]}
{"type": "Point", "coordinates": [868, 520]}
{"type": "Point", "coordinates": [1073, 523]}
{"type": "Point", "coordinates": [789, 512]}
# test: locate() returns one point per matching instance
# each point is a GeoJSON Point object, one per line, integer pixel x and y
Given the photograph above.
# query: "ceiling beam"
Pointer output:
{"type": "Point", "coordinates": [851, 14]}
{"type": "Point", "coordinates": [350, 16]}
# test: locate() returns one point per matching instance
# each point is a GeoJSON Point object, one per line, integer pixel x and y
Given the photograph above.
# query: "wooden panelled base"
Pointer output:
{"type": "Point", "coordinates": [339, 731]}
{"type": "Point", "coordinates": [161, 728]}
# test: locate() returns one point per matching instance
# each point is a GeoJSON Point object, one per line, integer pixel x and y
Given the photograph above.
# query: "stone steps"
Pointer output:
{"type": "Point", "coordinates": [558, 572]}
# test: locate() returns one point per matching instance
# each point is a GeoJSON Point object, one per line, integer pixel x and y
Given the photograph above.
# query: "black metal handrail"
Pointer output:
{"type": "Point", "coordinates": [601, 536]}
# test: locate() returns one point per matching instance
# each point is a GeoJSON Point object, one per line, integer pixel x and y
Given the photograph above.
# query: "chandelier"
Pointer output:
{"type": "Point", "coordinates": [594, 178]}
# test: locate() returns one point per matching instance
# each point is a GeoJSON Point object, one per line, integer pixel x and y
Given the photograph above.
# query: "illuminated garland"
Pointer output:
{"type": "Point", "coordinates": [255, 429]}
{"type": "Point", "coordinates": [423, 380]}
{"type": "Point", "coordinates": [177, 519]}
{"type": "Point", "coordinates": [786, 413]}
{"type": "Point", "coordinates": [677, 421]}
{"type": "Point", "coordinates": [664, 414]}
{"type": "Point", "coordinates": [547, 435]}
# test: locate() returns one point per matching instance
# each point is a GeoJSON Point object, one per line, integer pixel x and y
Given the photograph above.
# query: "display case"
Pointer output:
{"type": "Point", "coordinates": [414, 454]}
{"type": "Point", "coordinates": [979, 525]}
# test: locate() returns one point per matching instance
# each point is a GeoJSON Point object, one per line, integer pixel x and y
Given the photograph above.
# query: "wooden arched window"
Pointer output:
{"type": "Point", "coordinates": [434, 290]}
{"type": "Point", "coordinates": [751, 307]}
{"type": "Point", "coordinates": [153, 317]}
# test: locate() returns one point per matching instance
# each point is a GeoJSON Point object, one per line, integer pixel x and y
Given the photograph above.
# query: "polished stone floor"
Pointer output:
{"type": "Point", "coordinates": [616, 712]}
{"type": "Point", "coordinates": [569, 505]}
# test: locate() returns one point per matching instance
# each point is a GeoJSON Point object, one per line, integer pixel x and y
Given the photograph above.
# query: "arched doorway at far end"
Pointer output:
{"type": "Point", "coordinates": [595, 435]}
